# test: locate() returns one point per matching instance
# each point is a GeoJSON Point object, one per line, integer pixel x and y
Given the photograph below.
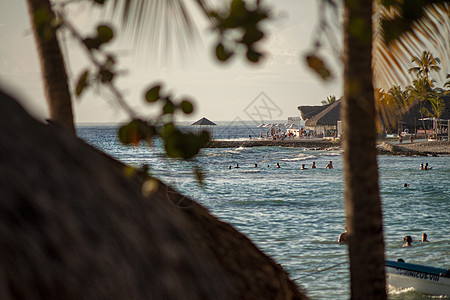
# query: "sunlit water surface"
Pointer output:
{"type": "Point", "coordinates": [296, 215]}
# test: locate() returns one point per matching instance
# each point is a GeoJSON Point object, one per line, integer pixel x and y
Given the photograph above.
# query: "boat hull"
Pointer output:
{"type": "Point", "coordinates": [427, 280]}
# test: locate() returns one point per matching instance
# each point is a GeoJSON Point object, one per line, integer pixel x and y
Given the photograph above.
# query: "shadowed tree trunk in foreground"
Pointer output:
{"type": "Point", "coordinates": [362, 199]}
{"type": "Point", "coordinates": [52, 64]}
{"type": "Point", "coordinates": [74, 226]}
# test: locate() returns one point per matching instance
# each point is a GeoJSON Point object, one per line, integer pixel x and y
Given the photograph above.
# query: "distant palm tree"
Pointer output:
{"type": "Point", "coordinates": [424, 65]}
{"type": "Point", "coordinates": [330, 100]}
{"type": "Point", "coordinates": [421, 91]}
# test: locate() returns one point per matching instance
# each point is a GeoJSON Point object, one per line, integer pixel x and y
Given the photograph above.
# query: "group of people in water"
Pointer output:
{"type": "Point", "coordinates": [313, 166]}
{"type": "Point", "coordinates": [407, 239]}
{"type": "Point", "coordinates": [424, 167]}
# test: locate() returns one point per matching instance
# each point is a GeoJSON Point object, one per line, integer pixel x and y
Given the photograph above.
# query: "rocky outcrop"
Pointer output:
{"type": "Point", "coordinates": [76, 225]}
{"type": "Point", "coordinates": [415, 149]}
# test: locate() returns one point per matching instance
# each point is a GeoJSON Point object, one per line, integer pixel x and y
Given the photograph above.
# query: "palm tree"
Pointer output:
{"type": "Point", "coordinates": [54, 74]}
{"type": "Point", "coordinates": [437, 108]}
{"type": "Point", "coordinates": [425, 64]}
{"type": "Point", "coordinates": [420, 91]}
{"type": "Point", "coordinates": [330, 100]}
{"type": "Point", "coordinates": [362, 199]}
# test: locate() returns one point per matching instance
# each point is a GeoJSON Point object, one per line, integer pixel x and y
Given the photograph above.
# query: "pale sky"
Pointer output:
{"type": "Point", "coordinates": [220, 92]}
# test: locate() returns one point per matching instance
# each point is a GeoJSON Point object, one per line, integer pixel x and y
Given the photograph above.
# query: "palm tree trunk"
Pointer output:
{"type": "Point", "coordinates": [362, 199]}
{"type": "Point", "coordinates": [52, 64]}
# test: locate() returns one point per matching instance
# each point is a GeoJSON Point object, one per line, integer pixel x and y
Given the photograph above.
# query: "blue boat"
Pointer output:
{"type": "Point", "coordinates": [424, 279]}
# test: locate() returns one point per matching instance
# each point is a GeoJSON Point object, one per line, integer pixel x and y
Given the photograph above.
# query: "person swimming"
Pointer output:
{"type": "Point", "coordinates": [278, 165]}
{"type": "Point", "coordinates": [303, 167]}
{"type": "Point", "coordinates": [229, 167]}
{"type": "Point", "coordinates": [424, 237]}
{"type": "Point", "coordinates": [330, 165]}
{"type": "Point", "coordinates": [237, 166]}
{"type": "Point", "coordinates": [343, 236]}
{"type": "Point", "coordinates": [408, 240]}
{"type": "Point", "coordinates": [313, 166]}
{"type": "Point", "coordinates": [426, 167]}
{"type": "Point", "coordinates": [405, 184]}
{"type": "Point", "coordinates": [256, 165]}
{"type": "Point", "coordinates": [421, 166]}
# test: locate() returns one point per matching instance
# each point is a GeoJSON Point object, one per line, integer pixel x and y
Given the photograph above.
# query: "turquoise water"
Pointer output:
{"type": "Point", "coordinates": [296, 215]}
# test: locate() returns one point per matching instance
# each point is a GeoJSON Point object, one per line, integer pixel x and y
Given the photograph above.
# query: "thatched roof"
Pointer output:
{"type": "Point", "coordinates": [75, 226]}
{"type": "Point", "coordinates": [204, 121]}
{"type": "Point", "coordinates": [329, 116]}
{"type": "Point", "coordinates": [307, 112]}
{"type": "Point", "coordinates": [412, 116]}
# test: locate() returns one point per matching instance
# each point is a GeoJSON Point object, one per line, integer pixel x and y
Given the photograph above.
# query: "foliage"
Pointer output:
{"type": "Point", "coordinates": [102, 75]}
{"type": "Point", "coordinates": [330, 100]}
{"type": "Point", "coordinates": [239, 27]}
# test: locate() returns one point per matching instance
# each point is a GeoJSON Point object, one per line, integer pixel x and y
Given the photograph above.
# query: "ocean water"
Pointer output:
{"type": "Point", "coordinates": [294, 215]}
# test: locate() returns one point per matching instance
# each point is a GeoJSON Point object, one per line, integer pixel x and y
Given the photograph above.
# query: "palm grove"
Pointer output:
{"type": "Point", "coordinates": [374, 51]}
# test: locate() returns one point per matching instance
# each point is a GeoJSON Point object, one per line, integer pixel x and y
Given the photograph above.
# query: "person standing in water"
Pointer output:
{"type": "Point", "coordinates": [424, 237]}
{"type": "Point", "coordinates": [408, 240]}
{"type": "Point", "coordinates": [330, 165]}
{"type": "Point", "coordinates": [343, 236]}
{"type": "Point", "coordinates": [313, 165]}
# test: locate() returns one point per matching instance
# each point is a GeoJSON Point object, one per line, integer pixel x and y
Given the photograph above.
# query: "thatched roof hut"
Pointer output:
{"type": "Point", "coordinates": [307, 112]}
{"type": "Point", "coordinates": [329, 116]}
{"type": "Point", "coordinates": [76, 226]}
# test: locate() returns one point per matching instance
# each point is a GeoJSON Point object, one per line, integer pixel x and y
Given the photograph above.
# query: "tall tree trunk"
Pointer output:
{"type": "Point", "coordinates": [52, 63]}
{"type": "Point", "coordinates": [362, 199]}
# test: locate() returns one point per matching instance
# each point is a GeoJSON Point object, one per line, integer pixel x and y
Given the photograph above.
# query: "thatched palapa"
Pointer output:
{"type": "Point", "coordinates": [74, 225]}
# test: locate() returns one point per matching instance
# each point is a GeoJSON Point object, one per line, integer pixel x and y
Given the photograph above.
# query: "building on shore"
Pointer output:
{"type": "Point", "coordinates": [323, 119]}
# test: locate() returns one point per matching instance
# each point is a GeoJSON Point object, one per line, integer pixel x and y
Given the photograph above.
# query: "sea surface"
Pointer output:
{"type": "Point", "coordinates": [296, 216]}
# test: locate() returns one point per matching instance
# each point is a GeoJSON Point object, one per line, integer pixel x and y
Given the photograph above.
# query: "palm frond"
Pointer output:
{"type": "Point", "coordinates": [163, 27]}
{"type": "Point", "coordinates": [430, 32]}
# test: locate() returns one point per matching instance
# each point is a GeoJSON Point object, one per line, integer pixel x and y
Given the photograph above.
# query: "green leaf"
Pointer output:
{"type": "Point", "coordinates": [251, 36]}
{"type": "Point", "coordinates": [318, 66]}
{"type": "Point", "coordinates": [253, 56]}
{"type": "Point", "coordinates": [168, 108]}
{"type": "Point", "coordinates": [82, 83]}
{"type": "Point", "coordinates": [187, 107]}
{"type": "Point", "coordinates": [129, 133]}
{"type": "Point", "coordinates": [104, 34]}
{"type": "Point", "coordinates": [222, 54]}
{"type": "Point", "coordinates": [106, 76]}
{"type": "Point", "coordinates": [152, 95]}
{"type": "Point", "coordinates": [92, 43]}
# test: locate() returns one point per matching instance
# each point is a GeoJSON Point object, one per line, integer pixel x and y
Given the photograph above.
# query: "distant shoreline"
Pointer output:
{"type": "Point", "coordinates": [384, 148]}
